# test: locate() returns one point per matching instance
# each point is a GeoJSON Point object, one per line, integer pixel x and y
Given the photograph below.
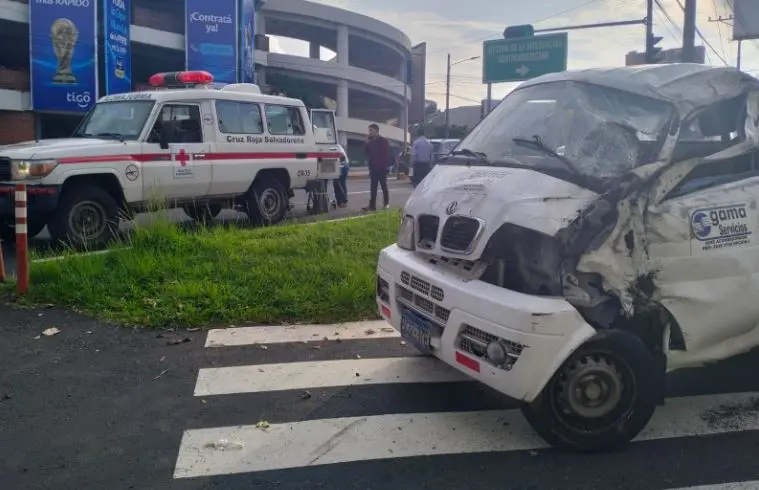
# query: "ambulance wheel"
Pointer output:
{"type": "Point", "coordinates": [86, 217]}
{"type": "Point", "coordinates": [267, 202]}
{"type": "Point", "coordinates": [600, 398]}
{"type": "Point", "coordinates": [204, 212]}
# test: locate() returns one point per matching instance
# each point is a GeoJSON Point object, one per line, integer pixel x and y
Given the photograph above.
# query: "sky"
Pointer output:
{"type": "Point", "coordinates": [459, 28]}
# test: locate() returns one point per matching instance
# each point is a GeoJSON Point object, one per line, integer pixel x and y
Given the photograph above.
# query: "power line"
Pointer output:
{"type": "Point", "coordinates": [719, 28]}
{"type": "Point", "coordinates": [480, 40]}
{"type": "Point", "coordinates": [701, 36]}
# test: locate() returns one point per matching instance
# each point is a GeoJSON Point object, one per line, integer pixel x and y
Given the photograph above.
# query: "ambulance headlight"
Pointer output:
{"type": "Point", "coordinates": [406, 233]}
{"type": "Point", "coordinates": [31, 169]}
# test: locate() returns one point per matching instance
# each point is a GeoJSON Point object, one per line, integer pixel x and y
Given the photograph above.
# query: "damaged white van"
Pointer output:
{"type": "Point", "coordinates": [595, 231]}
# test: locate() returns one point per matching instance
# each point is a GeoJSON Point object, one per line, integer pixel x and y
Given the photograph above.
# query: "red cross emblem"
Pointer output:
{"type": "Point", "coordinates": [182, 157]}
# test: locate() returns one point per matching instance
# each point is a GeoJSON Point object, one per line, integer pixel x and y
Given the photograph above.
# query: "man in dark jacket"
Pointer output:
{"type": "Point", "coordinates": [377, 151]}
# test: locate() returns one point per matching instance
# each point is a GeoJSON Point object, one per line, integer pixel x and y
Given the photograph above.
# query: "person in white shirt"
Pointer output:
{"type": "Point", "coordinates": [422, 153]}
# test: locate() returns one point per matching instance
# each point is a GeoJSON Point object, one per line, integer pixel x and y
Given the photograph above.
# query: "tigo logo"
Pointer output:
{"type": "Point", "coordinates": [82, 100]}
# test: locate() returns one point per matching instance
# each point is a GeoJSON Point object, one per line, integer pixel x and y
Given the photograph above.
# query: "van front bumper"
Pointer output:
{"type": "Point", "coordinates": [539, 333]}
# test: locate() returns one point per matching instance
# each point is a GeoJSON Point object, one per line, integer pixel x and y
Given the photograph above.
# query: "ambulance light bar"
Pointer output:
{"type": "Point", "coordinates": [180, 79]}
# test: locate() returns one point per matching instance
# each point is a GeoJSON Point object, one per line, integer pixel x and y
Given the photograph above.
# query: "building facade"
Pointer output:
{"type": "Point", "coordinates": [366, 82]}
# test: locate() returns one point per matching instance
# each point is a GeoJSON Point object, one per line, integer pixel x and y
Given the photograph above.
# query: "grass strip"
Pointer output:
{"type": "Point", "coordinates": [169, 277]}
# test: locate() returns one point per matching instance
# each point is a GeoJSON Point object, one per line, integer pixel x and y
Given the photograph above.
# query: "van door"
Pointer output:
{"type": "Point", "coordinates": [181, 169]}
{"type": "Point", "coordinates": [325, 136]}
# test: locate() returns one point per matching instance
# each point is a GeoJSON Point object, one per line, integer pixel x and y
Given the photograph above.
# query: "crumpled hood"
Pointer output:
{"type": "Point", "coordinates": [57, 148]}
{"type": "Point", "coordinates": [500, 195]}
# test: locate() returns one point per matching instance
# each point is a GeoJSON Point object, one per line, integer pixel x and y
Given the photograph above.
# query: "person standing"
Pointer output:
{"type": "Point", "coordinates": [341, 184]}
{"type": "Point", "coordinates": [422, 153]}
{"type": "Point", "coordinates": [377, 150]}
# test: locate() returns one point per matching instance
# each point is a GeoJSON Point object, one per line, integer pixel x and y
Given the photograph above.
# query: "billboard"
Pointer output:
{"type": "Point", "coordinates": [416, 111]}
{"type": "Point", "coordinates": [117, 46]}
{"type": "Point", "coordinates": [745, 19]}
{"type": "Point", "coordinates": [211, 38]}
{"type": "Point", "coordinates": [247, 41]}
{"type": "Point", "coordinates": [63, 55]}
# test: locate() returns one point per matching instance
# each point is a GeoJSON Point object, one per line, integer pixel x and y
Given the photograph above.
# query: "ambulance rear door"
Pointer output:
{"type": "Point", "coordinates": [325, 136]}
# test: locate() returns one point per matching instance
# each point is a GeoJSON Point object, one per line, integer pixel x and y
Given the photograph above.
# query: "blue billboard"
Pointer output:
{"type": "Point", "coordinates": [117, 46]}
{"type": "Point", "coordinates": [247, 41]}
{"type": "Point", "coordinates": [63, 52]}
{"type": "Point", "coordinates": [211, 38]}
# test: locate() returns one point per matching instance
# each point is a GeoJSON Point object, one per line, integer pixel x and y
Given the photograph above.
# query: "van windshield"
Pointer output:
{"type": "Point", "coordinates": [602, 132]}
{"type": "Point", "coordinates": [122, 120]}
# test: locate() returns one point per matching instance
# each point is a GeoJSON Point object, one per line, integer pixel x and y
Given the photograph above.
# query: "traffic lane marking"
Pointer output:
{"type": "Point", "coordinates": [323, 374]}
{"type": "Point", "coordinates": [238, 336]}
{"type": "Point", "coordinates": [341, 440]}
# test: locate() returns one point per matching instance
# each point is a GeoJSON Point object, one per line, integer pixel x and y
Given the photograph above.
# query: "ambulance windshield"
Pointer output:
{"type": "Point", "coordinates": [123, 120]}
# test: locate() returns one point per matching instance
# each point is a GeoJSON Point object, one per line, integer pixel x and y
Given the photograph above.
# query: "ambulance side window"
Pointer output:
{"type": "Point", "coordinates": [180, 123]}
{"type": "Point", "coordinates": [239, 117]}
{"type": "Point", "coordinates": [282, 119]}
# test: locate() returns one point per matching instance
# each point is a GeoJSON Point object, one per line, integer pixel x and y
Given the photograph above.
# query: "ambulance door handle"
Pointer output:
{"type": "Point", "coordinates": [301, 156]}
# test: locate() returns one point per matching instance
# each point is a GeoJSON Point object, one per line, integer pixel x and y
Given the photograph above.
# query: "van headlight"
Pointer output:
{"type": "Point", "coordinates": [31, 169]}
{"type": "Point", "coordinates": [406, 234]}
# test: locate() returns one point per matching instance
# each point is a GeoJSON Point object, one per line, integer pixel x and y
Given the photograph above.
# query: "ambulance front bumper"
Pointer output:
{"type": "Point", "coordinates": [510, 341]}
{"type": "Point", "coordinates": [41, 199]}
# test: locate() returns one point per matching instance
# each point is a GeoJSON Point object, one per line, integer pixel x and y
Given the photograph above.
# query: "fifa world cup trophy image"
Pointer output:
{"type": "Point", "coordinates": [64, 35]}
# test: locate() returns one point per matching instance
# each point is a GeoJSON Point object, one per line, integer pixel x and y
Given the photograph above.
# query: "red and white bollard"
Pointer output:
{"type": "Point", "coordinates": [22, 241]}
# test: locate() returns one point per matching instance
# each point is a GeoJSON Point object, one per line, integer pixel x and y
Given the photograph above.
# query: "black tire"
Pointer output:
{"type": "Point", "coordinates": [552, 416]}
{"type": "Point", "coordinates": [203, 212]}
{"type": "Point", "coordinates": [267, 202]}
{"type": "Point", "coordinates": [86, 217]}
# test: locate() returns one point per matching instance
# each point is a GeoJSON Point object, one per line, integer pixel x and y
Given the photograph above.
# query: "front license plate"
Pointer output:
{"type": "Point", "coordinates": [416, 331]}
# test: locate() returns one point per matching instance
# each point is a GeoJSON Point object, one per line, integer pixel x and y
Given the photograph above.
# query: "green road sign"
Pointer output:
{"type": "Point", "coordinates": [516, 60]}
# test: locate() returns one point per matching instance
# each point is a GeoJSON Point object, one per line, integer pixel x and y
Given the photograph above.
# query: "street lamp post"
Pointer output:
{"type": "Point", "coordinates": [448, 88]}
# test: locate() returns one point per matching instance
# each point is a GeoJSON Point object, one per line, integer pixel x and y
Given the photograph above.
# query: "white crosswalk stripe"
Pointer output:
{"type": "Point", "coordinates": [230, 450]}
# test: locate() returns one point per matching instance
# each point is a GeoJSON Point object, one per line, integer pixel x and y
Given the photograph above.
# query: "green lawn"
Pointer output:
{"type": "Point", "coordinates": [318, 273]}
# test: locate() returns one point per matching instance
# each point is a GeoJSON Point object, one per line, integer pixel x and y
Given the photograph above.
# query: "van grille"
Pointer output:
{"type": "Point", "coordinates": [459, 233]}
{"type": "Point", "coordinates": [5, 169]}
{"type": "Point", "coordinates": [428, 226]}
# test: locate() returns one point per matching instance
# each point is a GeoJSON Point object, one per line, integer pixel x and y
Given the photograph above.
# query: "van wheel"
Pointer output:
{"type": "Point", "coordinates": [267, 202]}
{"type": "Point", "coordinates": [203, 212]}
{"type": "Point", "coordinates": [600, 398]}
{"type": "Point", "coordinates": [86, 217]}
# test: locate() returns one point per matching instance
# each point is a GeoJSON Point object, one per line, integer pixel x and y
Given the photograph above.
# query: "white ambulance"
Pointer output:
{"type": "Point", "coordinates": [184, 144]}
{"type": "Point", "coordinates": [597, 229]}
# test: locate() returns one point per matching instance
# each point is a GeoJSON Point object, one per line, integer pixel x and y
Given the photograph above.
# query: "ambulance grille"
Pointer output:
{"type": "Point", "coordinates": [5, 169]}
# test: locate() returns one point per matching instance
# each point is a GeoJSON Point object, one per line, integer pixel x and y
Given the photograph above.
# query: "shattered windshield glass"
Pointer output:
{"type": "Point", "coordinates": [600, 131]}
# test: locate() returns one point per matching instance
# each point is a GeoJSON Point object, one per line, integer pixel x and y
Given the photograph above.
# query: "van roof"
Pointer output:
{"type": "Point", "coordinates": [687, 85]}
{"type": "Point", "coordinates": [238, 93]}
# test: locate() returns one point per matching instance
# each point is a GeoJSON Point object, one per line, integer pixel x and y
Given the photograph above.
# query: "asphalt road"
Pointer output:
{"type": "Point", "coordinates": [96, 407]}
{"type": "Point", "coordinates": [358, 197]}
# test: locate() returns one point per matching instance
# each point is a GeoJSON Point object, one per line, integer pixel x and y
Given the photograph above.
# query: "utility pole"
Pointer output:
{"type": "Point", "coordinates": [689, 32]}
{"type": "Point", "coordinates": [448, 88]}
{"type": "Point", "coordinates": [447, 94]}
{"type": "Point", "coordinates": [653, 53]}
{"type": "Point", "coordinates": [727, 21]}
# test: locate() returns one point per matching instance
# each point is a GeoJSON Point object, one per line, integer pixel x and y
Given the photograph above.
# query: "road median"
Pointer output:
{"type": "Point", "coordinates": [165, 276]}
